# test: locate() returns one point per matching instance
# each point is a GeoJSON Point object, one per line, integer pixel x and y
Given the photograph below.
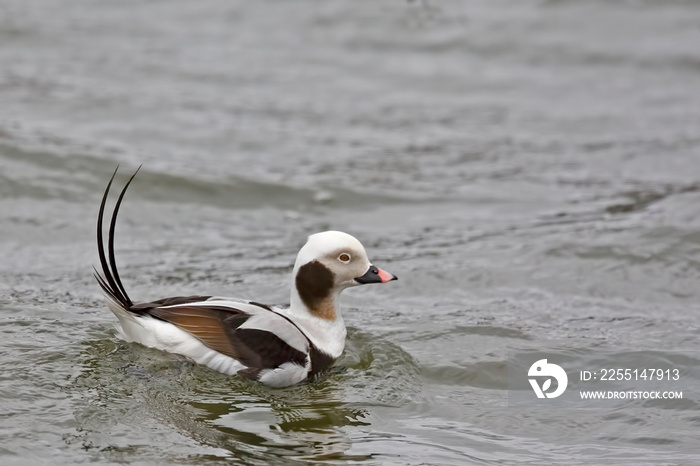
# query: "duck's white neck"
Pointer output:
{"type": "Point", "coordinates": [323, 324]}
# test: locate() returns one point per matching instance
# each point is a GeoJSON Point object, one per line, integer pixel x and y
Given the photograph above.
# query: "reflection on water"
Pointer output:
{"type": "Point", "coordinates": [247, 419]}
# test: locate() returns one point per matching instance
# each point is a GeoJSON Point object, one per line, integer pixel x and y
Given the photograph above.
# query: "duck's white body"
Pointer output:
{"type": "Point", "coordinates": [276, 346]}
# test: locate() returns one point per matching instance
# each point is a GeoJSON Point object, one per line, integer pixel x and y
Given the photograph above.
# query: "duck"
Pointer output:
{"type": "Point", "coordinates": [276, 346]}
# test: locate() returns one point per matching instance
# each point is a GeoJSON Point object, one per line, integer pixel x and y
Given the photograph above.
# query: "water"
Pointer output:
{"type": "Point", "coordinates": [530, 171]}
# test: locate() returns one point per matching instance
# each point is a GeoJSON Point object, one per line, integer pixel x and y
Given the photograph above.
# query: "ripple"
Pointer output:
{"type": "Point", "coordinates": [242, 417]}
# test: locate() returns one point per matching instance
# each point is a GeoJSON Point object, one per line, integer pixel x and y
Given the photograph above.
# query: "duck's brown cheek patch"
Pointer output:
{"type": "Point", "coordinates": [314, 283]}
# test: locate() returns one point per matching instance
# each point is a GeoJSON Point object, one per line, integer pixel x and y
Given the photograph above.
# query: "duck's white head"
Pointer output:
{"type": "Point", "coordinates": [328, 263]}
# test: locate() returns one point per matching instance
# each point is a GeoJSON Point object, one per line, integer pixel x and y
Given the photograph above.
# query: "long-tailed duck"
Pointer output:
{"type": "Point", "coordinates": [276, 346]}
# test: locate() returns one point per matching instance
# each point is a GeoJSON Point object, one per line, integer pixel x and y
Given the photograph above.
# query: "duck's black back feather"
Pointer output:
{"type": "Point", "coordinates": [173, 301]}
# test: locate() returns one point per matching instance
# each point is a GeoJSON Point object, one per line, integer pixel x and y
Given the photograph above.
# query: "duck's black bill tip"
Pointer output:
{"type": "Point", "coordinates": [376, 275]}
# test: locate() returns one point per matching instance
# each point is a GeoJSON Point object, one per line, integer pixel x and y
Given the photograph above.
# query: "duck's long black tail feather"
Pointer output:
{"type": "Point", "coordinates": [109, 280]}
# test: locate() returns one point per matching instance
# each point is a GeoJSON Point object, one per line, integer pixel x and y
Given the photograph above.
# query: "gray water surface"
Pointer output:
{"type": "Point", "coordinates": [530, 170]}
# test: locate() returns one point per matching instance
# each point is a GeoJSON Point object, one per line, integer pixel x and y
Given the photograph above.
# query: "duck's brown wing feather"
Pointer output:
{"type": "Point", "coordinates": [218, 327]}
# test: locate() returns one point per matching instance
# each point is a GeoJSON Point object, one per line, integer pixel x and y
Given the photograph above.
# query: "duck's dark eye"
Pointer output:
{"type": "Point", "coordinates": [344, 258]}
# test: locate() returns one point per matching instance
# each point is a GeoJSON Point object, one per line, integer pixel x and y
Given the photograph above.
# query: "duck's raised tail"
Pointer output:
{"type": "Point", "coordinates": [109, 280]}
